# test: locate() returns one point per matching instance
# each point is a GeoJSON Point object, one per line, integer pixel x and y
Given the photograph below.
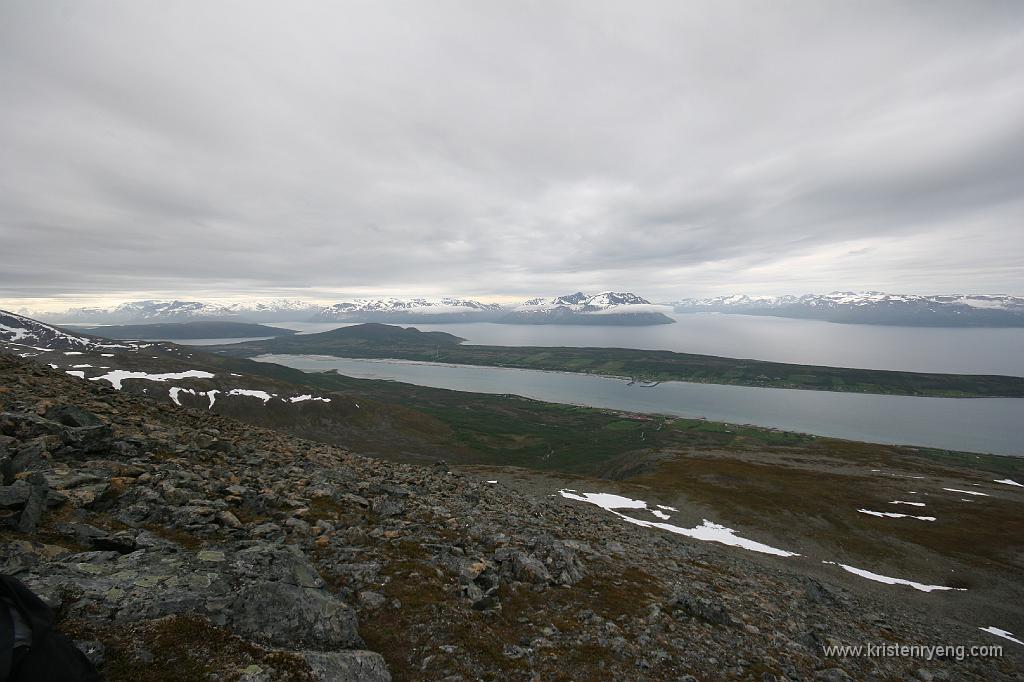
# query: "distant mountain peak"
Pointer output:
{"type": "Point", "coordinates": [606, 307]}
{"type": "Point", "coordinates": [582, 302]}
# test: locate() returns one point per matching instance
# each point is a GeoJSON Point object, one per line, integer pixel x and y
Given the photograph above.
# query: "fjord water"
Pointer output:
{"type": "Point", "coordinates": [963, 350]}
{"type": "Point", "coordinates": [991, 425]}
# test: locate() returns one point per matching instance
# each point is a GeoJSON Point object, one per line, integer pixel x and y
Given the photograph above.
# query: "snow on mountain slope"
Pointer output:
{"type": "Point", "coordinates": [867, 298]}
{"type": "Point", "coordinates": [273, 310]}
{"type": "Point", "coordinates": [137, 312]}
{"type": "Point", "coordinates": [873, 307]}
{"type": "Point", "coordinates": [607, 307]}
{"type": "Point", "coordinates": [146, 311]}
{"type": "Point", "coordinates": [20, 331]}
{"type": "Point", "coordinates": [393, 308]}
{"type": "Point", "coordinates": [584, 303]}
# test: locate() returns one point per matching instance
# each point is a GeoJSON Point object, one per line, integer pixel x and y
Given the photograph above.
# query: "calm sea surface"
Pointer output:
{"type": "Point", "coordinates": [977, 425]}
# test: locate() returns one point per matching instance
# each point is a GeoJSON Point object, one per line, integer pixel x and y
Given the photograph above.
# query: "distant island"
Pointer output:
{"type": "Point", "coordinates": [392, 342]}
{"type": "Point", "coordinates": [184, 330]}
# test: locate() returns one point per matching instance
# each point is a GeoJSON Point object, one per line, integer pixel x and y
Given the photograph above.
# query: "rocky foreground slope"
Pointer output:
{"type": "Point", "coordinates": [176, 544]}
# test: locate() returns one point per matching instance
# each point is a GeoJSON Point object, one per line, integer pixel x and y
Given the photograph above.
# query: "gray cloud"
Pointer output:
{"type": "Point", "coordinates": [506, 149]}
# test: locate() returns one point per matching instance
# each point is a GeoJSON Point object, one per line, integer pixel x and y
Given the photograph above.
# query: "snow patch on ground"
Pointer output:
{"type": "Point", "coordinates": [16, 332]}
{"type": "Point", "coordinates": [894, 515]}
{"type": "Point", "coordinates": [303, 398]}
{"type": "Point", "coordinates": [893, 581]}
{"type": "Point", "coordinates": [175, 390]}
{"type": "Point", "coordinates": [262, 395]}
{"type": "Point", "coordinates": [992, 630]}
{"type": "Point", "coordinates": [708, 531]}
{"type": "Point", "coordinates": [1009, 482]}
{"type": "Point", "coordinates": [76, 373]}
{"type": "Point", "coordinates": [966, 492]}
{"type": "Point", "coordinates": [605, 500]}
{"type": "Point", "coordinates": [119, 375]}
{"type": "Point", "coordinates": [914, 504]}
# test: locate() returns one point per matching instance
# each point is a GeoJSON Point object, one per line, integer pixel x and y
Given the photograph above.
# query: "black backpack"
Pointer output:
{"type": "Point", "coordinates": [52, 657]}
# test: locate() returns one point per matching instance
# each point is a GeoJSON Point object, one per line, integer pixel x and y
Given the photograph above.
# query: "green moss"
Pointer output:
{"type": "Point", "coordinates": [183, 648]}
{"type": "Point", "coordinates": [176, 535]}
{"type": "Point", "coordinates": [623, 425]}
{"type": "Point", "coordinates": [324, 507]}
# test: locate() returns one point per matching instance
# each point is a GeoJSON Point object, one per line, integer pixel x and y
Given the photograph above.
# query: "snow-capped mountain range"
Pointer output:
{"type": "Point", "coordinates": [137, 312]}
{"type": "Point", "coordinates": [396, 310]}
{"type": "Point", "coordinates": [873, 307]}
{"type": "Point", "coordinates": [581, 302]}
{"type": "Point", "coordinates": [607, 307]}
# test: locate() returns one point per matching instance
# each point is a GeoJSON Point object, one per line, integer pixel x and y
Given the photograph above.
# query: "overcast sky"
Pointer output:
{"type": "Point", "coordinates": [504, 149]}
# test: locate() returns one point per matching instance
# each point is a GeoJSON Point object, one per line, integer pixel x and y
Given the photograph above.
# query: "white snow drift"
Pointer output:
{"type": "Point", "coordinates": [708, 531]}
{"type": "Point", "coordinates": [893, 581]}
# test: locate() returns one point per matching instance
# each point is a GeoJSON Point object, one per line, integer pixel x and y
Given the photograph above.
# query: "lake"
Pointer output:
{"type": "Point", "coordinates": [914, 349]}
{"type": "Point", "coordinates": [990, 425]}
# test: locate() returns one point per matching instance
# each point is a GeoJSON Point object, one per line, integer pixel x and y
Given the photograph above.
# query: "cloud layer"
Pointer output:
{"type": "Point", "coordinates": [510, 148]}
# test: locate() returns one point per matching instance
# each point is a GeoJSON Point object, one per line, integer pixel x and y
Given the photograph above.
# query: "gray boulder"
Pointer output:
{"type": "Point", "coordinates": [285, 563]}
{"type": "Point", "coordinates": [709, 610]}
{"type": "Point", "coordinates": [561, 560]}
{"type": "Point", "coordinates": [72, 415]}
{"type": "Point", "coordinates": [35, 505]}
{"type": "Point", "coordinates": [347, 666]}
{"type": "Point", "coordinates": [288, 615]}
{"type": "Point", "coordinates": [14, 496]}
{"type": "Point", "coordinates": [518, 565]}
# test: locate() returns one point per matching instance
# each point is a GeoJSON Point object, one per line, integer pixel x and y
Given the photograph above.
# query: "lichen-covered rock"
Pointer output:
{"type": "Point", "coordinates": [290, 616]}
{"type": "Point", "coordinates": [709, 610]}
{"type": "Point", "coordinates": [347, 666]}
{"type": "Point", "coordinates": [15, 496]}
{"type": "Point", "coordinates": [285, 563]}
{"type": "Point", "coordinates": [520, 566]}
{"type": "Point", "coordinates": [35, 505]}
{"type": "Point", "coordinates": [562, 561]}
{"type": "Point", "coordinates": [72, 415]}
